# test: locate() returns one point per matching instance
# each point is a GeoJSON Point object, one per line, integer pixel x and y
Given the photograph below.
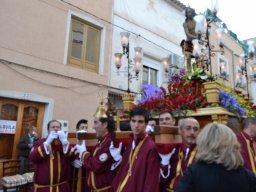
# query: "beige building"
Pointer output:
{"type": "Point", "coordinates": [228, 65]}
{"type": "Point", "coordinates": [54, 62]}
{"type": "Point", "coordinates": [224, 63]}
{"type": "Point", "coordinates": [251, 65]}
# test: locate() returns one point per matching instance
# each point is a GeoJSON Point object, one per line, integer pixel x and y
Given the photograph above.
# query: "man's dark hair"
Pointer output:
{"type": "Point", "coordinates": [193, 13]}
{"type": "Point", "coordinates": [166, 111]}
{"type": "Point", "coordinates": [111, 125]}
{"type": "Point", "coordinates": [249, 120]}
{"type": "Point", "coordinates": [138, 110]}
{"type": "Point", "coordinates": [151, 119]}
{"type": "Point", "coordinates": [81, 121]}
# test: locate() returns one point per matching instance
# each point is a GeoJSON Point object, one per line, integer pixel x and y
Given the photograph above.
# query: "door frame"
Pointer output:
{"type": "Point", "coordinates": [33, 98]}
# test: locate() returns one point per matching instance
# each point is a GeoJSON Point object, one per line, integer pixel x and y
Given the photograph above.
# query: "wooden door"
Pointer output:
{"type": "Point", "coordinates": [25, 114]}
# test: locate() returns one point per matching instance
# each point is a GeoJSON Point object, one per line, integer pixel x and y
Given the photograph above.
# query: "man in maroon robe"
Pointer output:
{"type": "Point", "coordinates": [248, 144]}
{"type": "Point", "coordinates": [174, 164]}
{"type": "Point", "coordinates": [98, 162]}
{"type": "Point", "coordinates": [52, 157]}
{"type": "Point", "coordinates": [140, 165]}
{"type": "Point", "coordinates": [78, 173]}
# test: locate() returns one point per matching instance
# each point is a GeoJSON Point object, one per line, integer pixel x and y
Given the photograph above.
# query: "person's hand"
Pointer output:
{"type": "Point", "coordinates": [77, 163]}
{"type": "Point", "coordinates": [81, 149]}
{"type": "Point", "coordinates": [52, 135]}
{"type": "Point", "coordinates": [82, 131]}
{"type": "Point", "coordinates": [63, 137]}
{"type": "Point", "coordinates": [166, 157]}
{"type": "Point", "coordinates": [115, 152]}
{"type": "Point", "coordinates": [149, 129]}
{"type": "Point", "coordinates": [81, 142]}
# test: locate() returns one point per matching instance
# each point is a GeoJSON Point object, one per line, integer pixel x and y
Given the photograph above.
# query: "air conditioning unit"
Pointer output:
{"type": "Point", "coordinates": [64, 125]}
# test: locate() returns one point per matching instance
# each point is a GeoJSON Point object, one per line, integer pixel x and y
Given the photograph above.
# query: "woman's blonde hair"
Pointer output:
{"type": "Point", "coordinates": [217, 143]}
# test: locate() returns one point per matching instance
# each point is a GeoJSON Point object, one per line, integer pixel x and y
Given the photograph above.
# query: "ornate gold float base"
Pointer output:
{"type": "Point", "coordinates": [212, 92]}
{"type": "Point", "coordinates": [128, 102]}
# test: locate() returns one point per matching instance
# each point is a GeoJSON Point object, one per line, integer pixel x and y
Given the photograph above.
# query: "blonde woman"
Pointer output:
{"type": "Point", "coordinates": [219, 166]}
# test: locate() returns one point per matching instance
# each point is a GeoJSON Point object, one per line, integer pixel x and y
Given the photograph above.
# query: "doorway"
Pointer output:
{"type": "Point", "coordinates": [15, 118]}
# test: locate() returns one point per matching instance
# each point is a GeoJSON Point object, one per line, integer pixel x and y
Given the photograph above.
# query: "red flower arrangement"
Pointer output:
{"type": "Point", "coordinates": [178, 97]}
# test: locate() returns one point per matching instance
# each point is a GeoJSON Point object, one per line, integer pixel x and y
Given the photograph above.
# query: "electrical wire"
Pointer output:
{"type": "Point", "coordinates": [115, 25]}
{"type": "Point", "coordinates": [100, 86]}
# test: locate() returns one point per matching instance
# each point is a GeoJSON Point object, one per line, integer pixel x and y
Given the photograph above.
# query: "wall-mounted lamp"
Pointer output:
{"type": "Point", "coordinates": [133, 68]}
{"type": "Point", "coordinates": [167, 65]}
{"type": "Point", "coordinates": [202, 49]}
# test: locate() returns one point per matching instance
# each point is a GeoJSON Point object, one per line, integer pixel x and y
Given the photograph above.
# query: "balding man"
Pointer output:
{"type": "Point", "coordinates": [175, 163]}
{"type": "Point", "coordinates": [248, 144]}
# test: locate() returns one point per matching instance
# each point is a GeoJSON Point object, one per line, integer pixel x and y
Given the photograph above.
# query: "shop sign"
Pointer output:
{"type": "Point", "coordinates": [7, 127]}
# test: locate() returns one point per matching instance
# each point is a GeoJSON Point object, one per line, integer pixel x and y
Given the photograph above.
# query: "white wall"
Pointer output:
{"type": "Point", "coordinates": [158, 30]}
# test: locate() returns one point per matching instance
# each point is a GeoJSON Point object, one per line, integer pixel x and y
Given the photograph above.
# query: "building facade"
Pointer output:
{"type": "Point", "coordinates": [156, 27]}
{"type": "Point", "coordinates": [54, 63]}
{"type": "Point", "coordinates": [57, 58]}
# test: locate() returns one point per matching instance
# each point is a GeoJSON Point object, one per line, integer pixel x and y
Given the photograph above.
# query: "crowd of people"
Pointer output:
{"type": "Point", "coordinates": [209, 159]}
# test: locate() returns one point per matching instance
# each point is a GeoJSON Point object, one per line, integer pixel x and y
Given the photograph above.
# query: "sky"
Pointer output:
{"type": "Point", "coordinates": [239, 15]}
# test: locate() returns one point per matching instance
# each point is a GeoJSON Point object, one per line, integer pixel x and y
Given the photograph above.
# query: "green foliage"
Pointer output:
{"type": "Point", "coordinates": [198, 74]}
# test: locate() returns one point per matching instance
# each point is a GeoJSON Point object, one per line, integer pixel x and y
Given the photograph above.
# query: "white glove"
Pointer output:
{"type": "Point", "coordinates": [53, 135]}
{"type": "Point", "coordinates": [166, 157]}
{"type": "Point", "coordinates": [81, 131]}
{"type": "Point", "coordinates": [115, 152]}
{"type": "Point", "coordinates": [77, 163]}
{"type": "Point", "coordinates": [81, 149]}
{"type": "Point", "coordinates": [63, 137]}
{"type": "Point", "coordinates": [149, 129]}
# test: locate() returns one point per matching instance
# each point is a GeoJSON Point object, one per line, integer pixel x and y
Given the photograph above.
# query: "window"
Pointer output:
{"type": "Point", "coordinates": [240, 80]}
{"type": "Point", "coordinates": [84, 45]}
{"type": "Point", "coordinates": [176, 63]}
{"type": "Point", "coordinates": [116, 99]}
{"type": "Point", "coordinates": [223, 69]}
{"type": "Point", "coordinates": [149, 76]}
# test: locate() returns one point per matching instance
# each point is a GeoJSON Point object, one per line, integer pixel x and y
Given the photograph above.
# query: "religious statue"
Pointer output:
{"type": "Point", "coordinates": [189, 28]}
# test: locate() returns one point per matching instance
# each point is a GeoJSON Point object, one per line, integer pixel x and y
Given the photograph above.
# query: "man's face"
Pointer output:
{"type": "Point", "coordinates": [152, 123]}
{"type": "Point", "coordinates": [253, 130]}
{"type": "Point", "coordinates": [100, 128]}
{"type": "Point", "coordinates": [83, 126]}
{"type": "Point", "coordinates": [54, 126]}
{"type": "Point", "coordinates": [166, 119]}
{"type": "Point", "coordinates": [189, 12]}
{"type": "Point", "coordinates": [138, 124]}
{"type": "Point", "coordinates": [189, 132]}
{"type": "Point", "coordinates": [33, 132]}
